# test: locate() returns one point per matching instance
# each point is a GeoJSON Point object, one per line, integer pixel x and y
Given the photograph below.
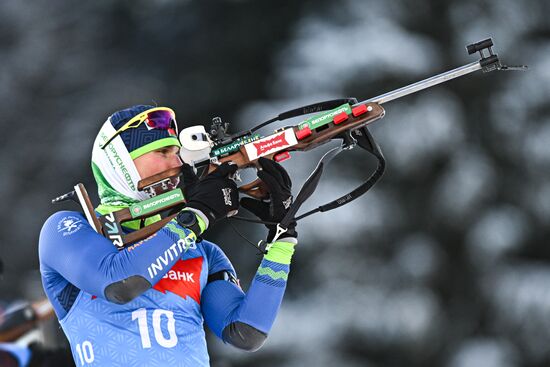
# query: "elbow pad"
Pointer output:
{"type": "Point", "coordinates": [244, 336]}
{"type": "Point", "coordinates": [126, 290]}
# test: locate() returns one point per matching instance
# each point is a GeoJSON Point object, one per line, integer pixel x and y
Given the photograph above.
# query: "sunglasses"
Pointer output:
{"type": "Point", "coordinates": [162, 118]}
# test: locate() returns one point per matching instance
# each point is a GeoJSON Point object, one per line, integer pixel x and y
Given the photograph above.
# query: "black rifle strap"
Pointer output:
{"type": "Point", "coordinates": [316, 107]}
{"type": "Point", "coordinates": [305, 192]}
{"type": "Point", "coordinates": [304, 110]}
{"type": "Point", "coordinates": [310, 185]}
{"type": "Point", "coordinates": [365, 141]}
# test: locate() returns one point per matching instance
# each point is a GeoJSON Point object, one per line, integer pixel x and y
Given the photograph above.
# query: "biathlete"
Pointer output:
{"type": "Point", "coordinates": [145, 304]}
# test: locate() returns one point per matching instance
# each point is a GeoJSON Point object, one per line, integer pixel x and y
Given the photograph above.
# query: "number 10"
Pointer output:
{"type": "Point", "coordinates": [141, 316]}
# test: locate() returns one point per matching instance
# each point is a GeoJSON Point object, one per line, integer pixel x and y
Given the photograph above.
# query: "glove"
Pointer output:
{"type": "Point", "coordinates": [215, 196]}
{"type": "Point", "coordinates": [280, 198]}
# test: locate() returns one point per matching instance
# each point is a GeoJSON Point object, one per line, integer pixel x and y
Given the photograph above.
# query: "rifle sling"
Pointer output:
{"type": "Point", "coordinates": [365, 141]}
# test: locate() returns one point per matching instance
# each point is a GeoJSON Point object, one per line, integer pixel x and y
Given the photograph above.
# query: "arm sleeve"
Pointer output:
{"type": "Point", "coordinates": [91, 262]}
{"type": "Point", "coordinates": [244, 320]}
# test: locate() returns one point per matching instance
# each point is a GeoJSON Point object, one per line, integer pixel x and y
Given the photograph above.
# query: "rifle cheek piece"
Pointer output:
{"type": "Point", "coordinates": [161, 182]}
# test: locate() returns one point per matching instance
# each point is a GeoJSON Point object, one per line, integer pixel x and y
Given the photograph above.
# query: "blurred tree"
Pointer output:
{"type": "Point", "coordinates": [442, 264]}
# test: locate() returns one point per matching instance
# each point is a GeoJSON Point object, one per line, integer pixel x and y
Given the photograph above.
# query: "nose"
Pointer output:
{"type": "Point", "coordinates": [176, 161]}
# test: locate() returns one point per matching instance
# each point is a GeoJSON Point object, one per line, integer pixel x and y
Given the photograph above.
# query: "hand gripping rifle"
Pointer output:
{"type": "Point", "coordinates": [343, 120]}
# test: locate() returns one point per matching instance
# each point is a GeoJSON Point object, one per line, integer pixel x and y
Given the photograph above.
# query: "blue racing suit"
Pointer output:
{"type": "Point", "coordinates": [145, 305]}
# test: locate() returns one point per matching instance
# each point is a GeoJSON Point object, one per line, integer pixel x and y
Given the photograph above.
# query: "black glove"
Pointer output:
{"type": "Point", "coordinates": [280, 198]}
{"type": "Point", "coordinates": [215, 196]}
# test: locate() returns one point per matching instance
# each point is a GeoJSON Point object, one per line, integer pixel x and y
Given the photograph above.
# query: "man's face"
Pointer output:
{"type": "Point", "coordinates": [157, 161]}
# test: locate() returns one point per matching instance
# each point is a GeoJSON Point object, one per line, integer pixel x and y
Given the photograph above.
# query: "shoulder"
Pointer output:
{"type": "Point", "coordinates": [217, 259]}
{"type": "Point", "coordinates": [210, 246]}
{"type": "Point", "coordinates": [64, 222]}
{"type": "Point", "coordinates": [211, 249]}
{"type": "Point", "coordinates": [61, 225]}
{"type": "Point", "coordinates": [63, 215]}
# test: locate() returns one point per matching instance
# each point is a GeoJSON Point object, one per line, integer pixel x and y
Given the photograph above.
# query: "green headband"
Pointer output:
{"type": "Point", "coordinates": [154, 145]}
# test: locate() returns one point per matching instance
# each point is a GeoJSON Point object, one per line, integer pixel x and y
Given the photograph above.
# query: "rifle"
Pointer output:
{"type": "Point", "coordinates": [344, 120]}
{"type": "Point", "coordinates": [22, 319]}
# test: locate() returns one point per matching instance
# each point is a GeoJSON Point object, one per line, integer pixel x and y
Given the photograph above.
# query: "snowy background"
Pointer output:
{"type": "Point", "coordinates": [444, 263]}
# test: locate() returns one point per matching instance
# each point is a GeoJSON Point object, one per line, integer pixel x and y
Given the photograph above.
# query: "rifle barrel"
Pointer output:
{"type": "Point", "coordinates": [423, 84]}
